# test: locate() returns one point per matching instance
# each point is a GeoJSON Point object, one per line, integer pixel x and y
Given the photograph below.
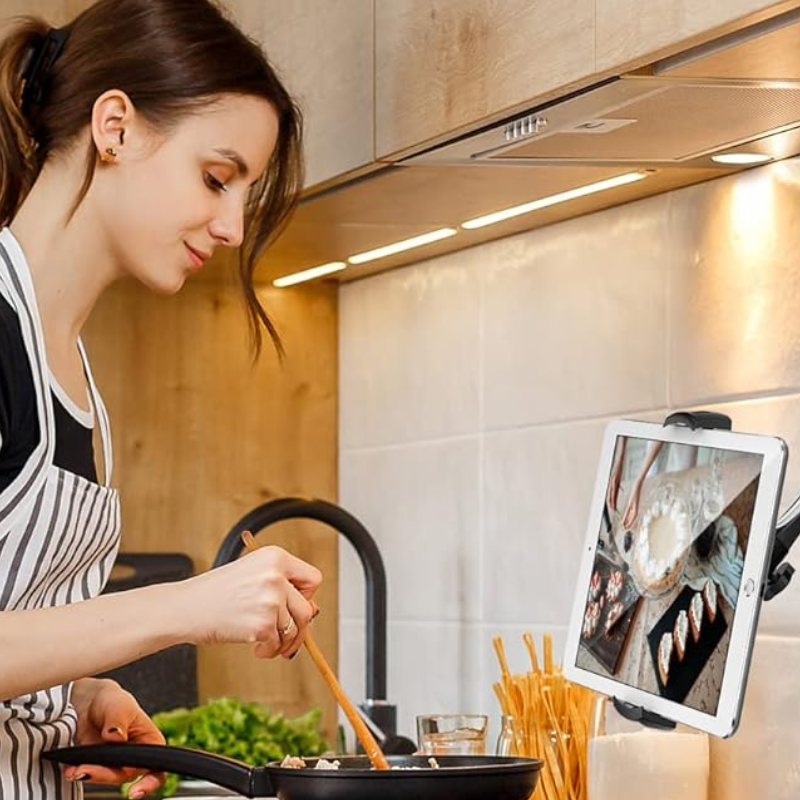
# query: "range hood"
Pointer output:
{"type": "Point", "coordinates": [738, 93]}
{"type": "Point", "coordinates": [644, 120]}
{"type": "Point", "coordinates": [738, 90]}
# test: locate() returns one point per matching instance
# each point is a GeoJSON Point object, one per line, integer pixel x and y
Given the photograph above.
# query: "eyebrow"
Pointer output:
{"type": "Point", "coordinates": [232, 155]}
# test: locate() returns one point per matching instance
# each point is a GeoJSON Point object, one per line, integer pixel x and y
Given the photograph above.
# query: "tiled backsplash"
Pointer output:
{"type": "Point", "coordinates": [475, 388]}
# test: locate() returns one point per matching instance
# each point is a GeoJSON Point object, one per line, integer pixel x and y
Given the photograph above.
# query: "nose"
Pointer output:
{"type": "Point", "coordinates": [228, 226]}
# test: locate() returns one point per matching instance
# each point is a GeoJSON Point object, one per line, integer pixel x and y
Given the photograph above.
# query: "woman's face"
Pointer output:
{"type": "Point", "coordinates": [167, 202]}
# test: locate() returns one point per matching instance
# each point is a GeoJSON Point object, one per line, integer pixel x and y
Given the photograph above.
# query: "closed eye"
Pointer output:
{"type": "Point", "coordinates": [214, 184]}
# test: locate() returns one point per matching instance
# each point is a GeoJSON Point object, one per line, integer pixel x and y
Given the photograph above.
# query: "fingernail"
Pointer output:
{"type": "Point", "coordinates": [136, 794]}
{"type": "Point", "coordinates": [80, 777]}
{"type": "Point", "coordinates": [293, 655]}
{"type": "Point", "coordinates": [315, 614]}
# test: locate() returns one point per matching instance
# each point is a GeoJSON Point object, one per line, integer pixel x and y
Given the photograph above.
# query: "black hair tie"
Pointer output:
{"type": "Point", "coordinates": [39, 66]}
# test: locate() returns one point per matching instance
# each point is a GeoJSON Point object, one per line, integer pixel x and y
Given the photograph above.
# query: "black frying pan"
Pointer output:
{"type": "Point", "coordinates": [460, 777]}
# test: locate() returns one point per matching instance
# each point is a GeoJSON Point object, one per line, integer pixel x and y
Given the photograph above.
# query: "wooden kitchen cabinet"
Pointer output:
{"type": "Point", "coordinates": [631, 34]}
{"type": "Point", "coordinates": [56, 12]}
{"type": "Point", "coordinates": [441, 65]}
{"type": "Point", "coordinates": [324, 52]}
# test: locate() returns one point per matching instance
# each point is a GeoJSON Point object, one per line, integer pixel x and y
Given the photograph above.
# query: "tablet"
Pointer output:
{"type": "Point", "coordinates": [676, 555]}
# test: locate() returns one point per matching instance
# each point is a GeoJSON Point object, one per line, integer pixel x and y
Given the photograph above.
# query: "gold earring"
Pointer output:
{"type": "Point", "coordinates": [109, 155]}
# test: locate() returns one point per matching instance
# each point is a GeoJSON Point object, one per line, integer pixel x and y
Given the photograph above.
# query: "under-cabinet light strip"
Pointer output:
{"type": "Point", "coordinates": [551, 200]}
{"type": "Point", "coordinates": [309, 274]}
{"type": "Point", "coordinates": [399, 247]}
{"type": "Point", "coordinates": [444, 233]}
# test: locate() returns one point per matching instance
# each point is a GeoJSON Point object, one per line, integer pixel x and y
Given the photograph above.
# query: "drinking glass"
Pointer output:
{"type": "Point", "coordinates": [452, 734]}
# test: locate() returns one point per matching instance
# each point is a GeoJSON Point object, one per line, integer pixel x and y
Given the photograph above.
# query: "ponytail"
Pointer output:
{"type": "Point", "coordinates": [20, 162]}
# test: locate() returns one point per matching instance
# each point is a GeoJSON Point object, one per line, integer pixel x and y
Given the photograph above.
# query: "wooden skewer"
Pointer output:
{"type": "Point", "coordinates": [368, 742]}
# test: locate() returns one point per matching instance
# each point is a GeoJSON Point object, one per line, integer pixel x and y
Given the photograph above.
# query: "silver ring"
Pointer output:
{"type": "Point", "coordinates": [288, 629]}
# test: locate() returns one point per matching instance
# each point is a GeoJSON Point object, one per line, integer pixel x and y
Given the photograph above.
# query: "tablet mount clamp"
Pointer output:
{"type": "Point", "coordinates": [779, 575]}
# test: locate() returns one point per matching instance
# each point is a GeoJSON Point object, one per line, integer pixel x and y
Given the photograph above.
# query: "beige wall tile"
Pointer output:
{"type": "Point", "coordinates": [734, 306]}
{"type": "Point", "coordinates": [408, 355]}
{"type": "Point", "coordinates": [537, 487]}
{"type": "Point", "coordinates": [575, 318]}
{"type": "Point", "coordinates": [420, 503]}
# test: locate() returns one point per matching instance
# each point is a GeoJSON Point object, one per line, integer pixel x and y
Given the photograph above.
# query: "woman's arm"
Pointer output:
{"type": "Point", "coordinates": [612, 492]}
{"type": "Point", "coordinates": [247, 601]}
{"type": "Point", "coordinates": [632, 510]}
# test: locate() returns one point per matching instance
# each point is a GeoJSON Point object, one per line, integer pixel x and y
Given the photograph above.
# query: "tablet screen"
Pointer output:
{"type": "Point", "coordinates": [667, 568]}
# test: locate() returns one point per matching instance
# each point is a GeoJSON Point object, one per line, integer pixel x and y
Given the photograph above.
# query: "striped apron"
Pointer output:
{"type": "Point", "coordinates": [59, 535]}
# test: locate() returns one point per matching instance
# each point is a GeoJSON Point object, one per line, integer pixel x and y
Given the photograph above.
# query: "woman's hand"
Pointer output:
{"type": "Point", "coordinates": [632, 511]}
{"type": "Point", "coordinates": [612, 494]}
{"type": "Point", "coordinates": [265, 597]}
{"type": "Point", "coordinates": [107, 713]}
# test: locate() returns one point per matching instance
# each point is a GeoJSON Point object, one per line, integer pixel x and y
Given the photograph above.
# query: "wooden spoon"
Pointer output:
{"type": "Point", "coordinates": [371, 747]}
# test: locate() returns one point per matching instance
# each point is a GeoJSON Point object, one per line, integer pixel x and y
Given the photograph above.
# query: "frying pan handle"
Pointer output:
{"type": "Point", "coordinates": [234, 775]}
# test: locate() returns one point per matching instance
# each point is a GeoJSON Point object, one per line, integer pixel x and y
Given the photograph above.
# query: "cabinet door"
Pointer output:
{"type": "Point", "coordinates": [442, 65]}
{"type": "Point", "coordinates": [631, 33]}
{"type": "Point", "coordinates": [55, 12]}
{"type": "Point", "coordinates": [324, 53]}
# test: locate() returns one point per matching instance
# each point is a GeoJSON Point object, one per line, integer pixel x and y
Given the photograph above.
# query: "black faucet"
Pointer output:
{"type": "Point", "coordinates": [382, 713]}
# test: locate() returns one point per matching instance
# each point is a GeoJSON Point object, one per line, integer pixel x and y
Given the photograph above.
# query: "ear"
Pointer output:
{"type": "Point", "coordinates": [113, 114]}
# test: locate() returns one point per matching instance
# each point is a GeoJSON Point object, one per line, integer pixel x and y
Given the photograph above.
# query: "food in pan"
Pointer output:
{"type": "Point", "coordinates": [665, 657]}
{"type": "Point", "coordinates": [680, 633]}
{"type": "Point", "coordinates": [590, 620]}
{"type": "Point", "coordinates": [324, 763]}
{"type": "Point", "coordinates": [615, 612]}
{"type": "Point", "coordinates": [710, 599]}
{"type": "Point", "coordinates": [614, 587]}
{"type": "Point", "coordinates": [595, 585]}
{"type": "Point", "coordinates": [660, 552]}
{"type": "Point", "coordinates": [295, 762]}
{"type": "Point", "coordinates": [696, 610]}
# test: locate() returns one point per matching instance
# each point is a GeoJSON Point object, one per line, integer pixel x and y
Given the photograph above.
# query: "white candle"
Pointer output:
{"type": "Point", "coordinates": [648, 765]}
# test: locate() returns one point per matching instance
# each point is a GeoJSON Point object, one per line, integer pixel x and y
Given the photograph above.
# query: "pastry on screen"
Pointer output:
{"type": "Point", "coordinates": [590, 620]}
{"type": "Point", "coordinates": [665, 656]}
{"type": "Point", "coordinates": [696, 611]}
{"type": "Point", "coordinates": [680, 633]}
{"type": "Point", "coordinates": [595, 585]}
{"type": "Point", "coordinates": [710, 599]}
{"type": "Point", "coordinates": [614, 587]}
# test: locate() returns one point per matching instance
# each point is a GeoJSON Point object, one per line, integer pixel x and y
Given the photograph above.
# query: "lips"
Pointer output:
{"type": "Point", "coordinates": [198, 257]}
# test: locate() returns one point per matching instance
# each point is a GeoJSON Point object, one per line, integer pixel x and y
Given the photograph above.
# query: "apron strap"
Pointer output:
{"type": "Point", "coordinates": [102, 416]}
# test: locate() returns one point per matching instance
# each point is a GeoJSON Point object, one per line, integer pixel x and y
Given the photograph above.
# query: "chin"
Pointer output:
{"type": "Point", "coordinates": [164, 284]}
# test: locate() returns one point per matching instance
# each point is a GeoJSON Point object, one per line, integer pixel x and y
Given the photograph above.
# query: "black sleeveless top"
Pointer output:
{"type": "Point", "coordinates": [19, 424]}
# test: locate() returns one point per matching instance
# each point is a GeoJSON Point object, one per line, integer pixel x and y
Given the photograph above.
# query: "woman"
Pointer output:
{"type": "Point", "coordinates": [133, 143]}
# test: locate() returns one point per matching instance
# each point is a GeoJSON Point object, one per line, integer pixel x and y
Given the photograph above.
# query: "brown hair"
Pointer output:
{"type": "Point", "coordinates": [171, 57]}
